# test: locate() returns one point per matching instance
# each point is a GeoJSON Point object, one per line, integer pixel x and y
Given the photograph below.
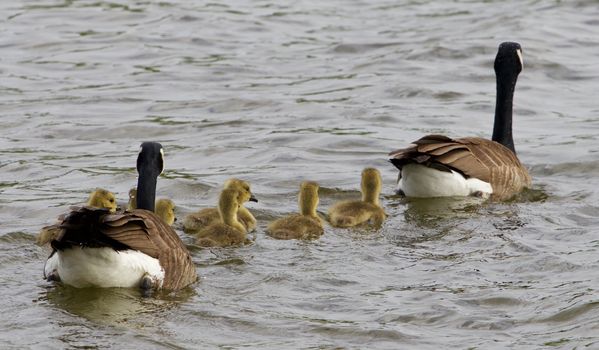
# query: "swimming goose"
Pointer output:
{"type": "Point", "coordinates": [367, 210]}
{"type": "Point", "coordinates": [439, 166]}
{"type": "Point", "coordinates": [305, 225]}
{"type": "Point", "coordinates": [128, 249]}
{"type": "Point", "coordinates": [194, 222]}
{"type": "Point", "coordinates": [99, 198]}
{"type": "Point", "coordinates": [228, 231]}
{"type": "Point", "coordinates": [165, 208]}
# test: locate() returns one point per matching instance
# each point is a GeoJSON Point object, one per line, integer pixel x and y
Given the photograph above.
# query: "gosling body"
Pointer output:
{"type": "Point", "coordinates": [228, 231]}
{"type": "Point", "coordinates": [365, 211]}
{"type": "Point", "coordinates": [305, 225]}
{"type": "Point", "coordinates": [195, 222]}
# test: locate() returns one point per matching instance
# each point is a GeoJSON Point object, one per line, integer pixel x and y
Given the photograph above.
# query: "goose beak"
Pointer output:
{"type": "Point", "coordinates": [253, 199]}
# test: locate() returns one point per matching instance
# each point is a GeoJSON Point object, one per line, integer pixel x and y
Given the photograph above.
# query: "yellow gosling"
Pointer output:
{"type": "Point", "coordinates": [132, 204]}
{"type": "Point", "coordinates": [228, 231]}
{"type": "Point", "coordinates": [195, 222]}
{"type": "Point", "coordinates": [305, 225]}
{"type": "Point", "coordinates": [165, 209]}
{"type": "Point", "coordinates": [99, 198]}
{"type": "Point", "coordinates": [368, 210]}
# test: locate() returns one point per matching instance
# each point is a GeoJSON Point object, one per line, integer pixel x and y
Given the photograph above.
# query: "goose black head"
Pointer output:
{"type": "Point", "coordinates": [509, 58]}
{"type": "Point", "coordinates": [150, 158]}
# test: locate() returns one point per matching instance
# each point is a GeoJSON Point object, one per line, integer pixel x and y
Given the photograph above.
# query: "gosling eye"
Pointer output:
{"type": "Point", "coordinates": [111, 200]}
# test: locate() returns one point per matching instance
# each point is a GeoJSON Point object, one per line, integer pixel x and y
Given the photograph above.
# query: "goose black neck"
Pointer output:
{"type": "Point", "coordinates": [502, 129]}
{"type": "Point", "coordinates": [146, 190]}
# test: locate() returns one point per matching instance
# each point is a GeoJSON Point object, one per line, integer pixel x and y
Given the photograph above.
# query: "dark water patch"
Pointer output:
{"type": "Point", "coordinates": [360, 48]}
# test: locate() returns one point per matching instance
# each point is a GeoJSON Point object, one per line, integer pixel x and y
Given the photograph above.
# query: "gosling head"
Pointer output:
{"type": "Point", "coordinates": [245, 193]}
{"type": "Point", "coordinates": [165, 209]}
{"type": "Point", "coordinates": [371, 185]}
{"type": "Point", "coordinates": [308, 198]}
{"type": "Point", "coordinates": [101, 198]}
{"type": "Point", "coordinates": [132, 204]}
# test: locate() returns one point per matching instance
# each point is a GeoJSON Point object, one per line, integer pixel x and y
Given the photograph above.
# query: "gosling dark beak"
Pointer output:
{"type": "Point", "coordinates": [253, 199]}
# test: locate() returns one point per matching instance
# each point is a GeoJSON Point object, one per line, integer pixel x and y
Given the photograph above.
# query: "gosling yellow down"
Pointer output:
{"type": "Point", "coordinates": [228, 231]}
{"type": "Point", "coordinates": [165, 208]}
{"type": "Point", "coordinates": [195, 222]}
{"type": "Point", "coordinates": [305, 225]}
{"type": "Point", "coordinates": [367, 210]}
{"type": "Point", "coordinates": [99, 198]}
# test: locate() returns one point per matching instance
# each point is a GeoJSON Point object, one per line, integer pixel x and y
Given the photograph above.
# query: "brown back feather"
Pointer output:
{"type": "Point", "coordinates": [474, 157]}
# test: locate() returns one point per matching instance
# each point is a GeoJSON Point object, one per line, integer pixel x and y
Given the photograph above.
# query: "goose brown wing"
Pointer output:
{"type": "Point", "coordinates": [474, 157]}
{"type": "Point", "coordinates": [144, 231]}
{"type": "Point", "coordinates": [139, 230]}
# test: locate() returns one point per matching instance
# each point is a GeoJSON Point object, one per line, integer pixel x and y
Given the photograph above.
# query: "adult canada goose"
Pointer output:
{"type": "Point", "coordinates": [353, 213]}
{"type": "Point", "coordinates": [228, 231]}
{"type": "Point", "coordinates": [305, 225]}
{"type": "Point", "coordinates": [129, 249]}
{"type": "Point", "coordinates": [99, 198]}
{"type": "Point", "coordinates": [438, 166]}
{"type": "Point", "coordinates": [194, 222]}
{"type": "Point", "coordinates": [165, 208]}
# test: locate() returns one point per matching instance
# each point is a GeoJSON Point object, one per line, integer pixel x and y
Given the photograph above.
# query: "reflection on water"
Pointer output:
{"type": "Point", "coordinates": [114, 306]}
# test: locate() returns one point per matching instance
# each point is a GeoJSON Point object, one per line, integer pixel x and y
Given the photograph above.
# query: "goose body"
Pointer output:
{"type": "Point", "coordinates": [365, 211]}
{"type": "Point", "coordinates": [129, 249]}
{"type": "Point", "coordinates": [102, 268]}
{"type": "Point", "coordinates": [195, 222]}
{"type": "Point", "coordinates": [305, 225]}
{"type": "Point", "coordinates": [439, 166]}
{"type": "Point", "coordinates": [228, 231]}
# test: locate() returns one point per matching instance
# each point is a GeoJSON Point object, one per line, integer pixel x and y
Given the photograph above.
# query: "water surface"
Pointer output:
{"type": "Point", "coordinates": [278, 93]}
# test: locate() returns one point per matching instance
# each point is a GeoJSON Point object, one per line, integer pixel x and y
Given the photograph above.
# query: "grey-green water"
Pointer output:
{"type": "Point", "coordinates": [280, 92]}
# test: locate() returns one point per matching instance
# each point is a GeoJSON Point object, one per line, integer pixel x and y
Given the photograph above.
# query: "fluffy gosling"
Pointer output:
{"type": "Point", "coordinates": [305, 225]}
{"type": "Point", "coordinates": [195, 222]}
{"type": "Point", "coordinates": [165, 209]}
{"type": "Point", "coordinates": [368, 210]}
{"type": "Point", "coordinates": [228, 231]}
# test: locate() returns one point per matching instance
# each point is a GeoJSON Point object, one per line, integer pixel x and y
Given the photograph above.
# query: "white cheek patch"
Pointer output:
{"type": "Point", "coordinates": [519, 53]}
{"type": "Point", "coordinates": [162, 156]}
